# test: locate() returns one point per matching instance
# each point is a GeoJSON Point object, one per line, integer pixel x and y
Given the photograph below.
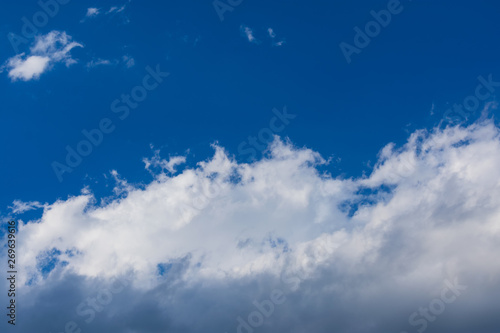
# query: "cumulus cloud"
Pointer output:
{"type": "Point", "coordinates": [47, 50]}
{"type": "Point", "coordinates": [27, 68]}
{"type": "Point", "coordinates": [201, 245]}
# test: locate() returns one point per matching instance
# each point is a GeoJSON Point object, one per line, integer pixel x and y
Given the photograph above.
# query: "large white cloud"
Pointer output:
{"type": "Point", "coordinates": [353, 255]}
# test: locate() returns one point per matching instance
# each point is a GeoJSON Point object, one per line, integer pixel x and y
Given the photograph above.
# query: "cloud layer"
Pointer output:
{"type": "Point", "coordinates": [199, 246]}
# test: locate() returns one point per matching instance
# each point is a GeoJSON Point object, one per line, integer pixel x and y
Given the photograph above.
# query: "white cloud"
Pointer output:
{"type": "Point", "coordinates": [272, 34]}
{"type": "Point", "coordinates": [428, 212]}
{"type": "Point", "coordinates": [92, 12]}
{"type": "Point", "coordinates": [116, 9]}
{"type": "Point", "coordinates": [248, 33]}
{"type": "Point", "coordinates": [169, 165]}
{"type": "Point", "coordinates": [99, 62]}
{"type": "Point", "coordinates": [28, 68]}
{"type": "Point", "coordinates": [47, 50]}
{"type": "Point", "coordinates": [19, 207]}
{"type": "Point", "coordinates": [129, 61]}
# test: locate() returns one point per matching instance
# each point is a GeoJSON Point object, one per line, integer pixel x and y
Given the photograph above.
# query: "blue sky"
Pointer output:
{"type": "Point", "coordinates": [219, 75]}
{"type": "Point", "coordinates": [223, 88]}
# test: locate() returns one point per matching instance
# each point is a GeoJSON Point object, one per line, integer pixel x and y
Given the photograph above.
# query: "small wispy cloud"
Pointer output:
{"type": "Point", "coordinates": [157, 162]}
{"type": "Point", "coordinates": [118, 9]}
{"type": "Point", "coordinates": [99, 62]}
{"type": "Point", "coordinates": [47, 50]}
{"type": "Point", "coordinates": [19, 207]}
{"type": "Point", "coordinates": [94, 12]}
{"type": "Point", "coordinates": [272, 34]}
{"type": "Point", "coordinates": [128, 61]}
{"type": "Point", "coordinates": [248, 33]}
{"type": "Point", "coordinates": [91, 12]}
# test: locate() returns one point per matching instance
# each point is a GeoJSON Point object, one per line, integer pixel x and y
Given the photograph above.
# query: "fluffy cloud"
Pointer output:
{"type": "Point", "coordinates": [199, 246]}
{"type": "Point", "coordinates": [27, 68]}
{"type": "Point", "coordinates": [47, 50]}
